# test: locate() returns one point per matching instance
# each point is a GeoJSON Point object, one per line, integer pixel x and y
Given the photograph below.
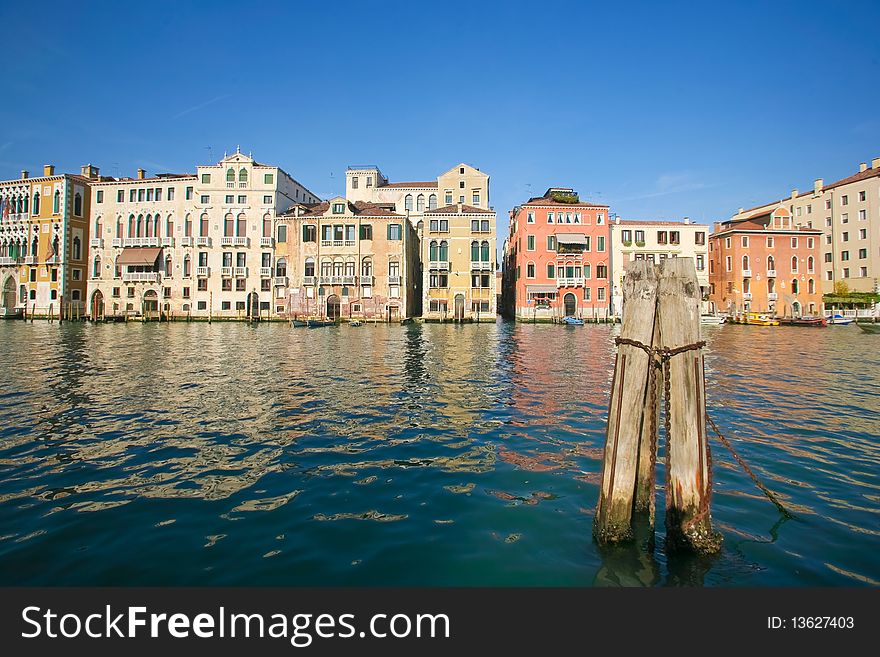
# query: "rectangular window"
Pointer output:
{"type": "Point", "coordinates": [863, 233]}
{"type": "Point", "coordinates": [475, 197]}
{"type": "Point", "coordinates": [811, 243]}
{"type": "Point", "coordinates": [794, 242]}
{"type": "Point", "coordinates": [844, 255]}
{"type": "Point", "coordinates": [132, 195]}
{"type": "Point", "coordinates": [844, 218]}
{"type": "Point", "coordinates": [530, 217]}
{"type": "Point", "coordinates": [530, 270]}
{"type": "Point", "coordinates": [601, 271]}
{"type": "Point", "coordinates": [205, 199]}
{"type": "Point", "coordinates": [310, 233]}
{"type": "Point", "coordinates": [189, 194]}
{"type": "Point", "coordinates": [448, 196]}
{"type": "Point", "coordinates": [863, 253]}
{"type": "Point", "coordinates": [268, 178]}
{"type": "Point", "coordinates": [120, 195]}
{"type": "Point", "coordinates": [170, 193]}
{"type": "Point", "coordinates": [267, 200]}
{"type": "Point", "coordinates": [674, 237]}
{"type": "Point", "coordinates": [862, 196]}
{"type": "Point", "coordinates": [551, 242]}
{"type": "Point", "coordinates": [394, 231]}
{"type": "Point", "coordinates": [366, 231]}
{"type": "Point", "coordinates": [769, 242]}
{"type": "Point", "coordinates": [640, 238]}
{"type": "Point", "coordinates": [150, 194]}
{"type": "Point", "coordinates": [230, 199]}
{"type": "Point", "coordinates": [846, 272]}
{"type": "Point", "coordinates": [600, 243]}
{"type": "Point", "coordinates": [828, 239]}
{"type": "Point", "coordinates": [863, 272]}
{"type": "Point", "coordinates": [700, 238]}
{"type": "Point", "coordinates": [530, 243]}
{"type": "Point", "coordinates": [828, 257]}
{"type": "Point", "coordinates": [701, 262]}
{"type": "Point", "coordinates": [206, 178]}
{"type": "Point", "coordinates": [862, 214]}
{"type": "Point", "coordinates": [99, 197]}
{"type": "Point", "coordinates": [202, 286]}
{"type": "Point", "coordinates": [549, 217]}
{"type": "Point", "coordinates": [745, 241]}
{"type": "Point", "coordinates": [844, 200]}
{"type": "Point", "coordinates": [242, 200]}
{"type": "Point", "coordinates": [661, 237]}
{"type": "Point", "coordinates": [728, 262]}
{"type": "Point", "coordinates": [444, 225]}
{"type": "Point", "coordinates": [282, 233]}
{"type": "Point", "coordinates": [551, 270]}
{"type": "Point", "coordinates": [626, 237]}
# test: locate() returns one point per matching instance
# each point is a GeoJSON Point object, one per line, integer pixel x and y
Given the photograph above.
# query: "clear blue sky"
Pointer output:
{"type": "Point", "coordinates": [661, 110]}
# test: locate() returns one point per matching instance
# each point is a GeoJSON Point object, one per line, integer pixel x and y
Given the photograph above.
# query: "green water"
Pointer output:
{"type": "Point", "coordinates": [195, 454]}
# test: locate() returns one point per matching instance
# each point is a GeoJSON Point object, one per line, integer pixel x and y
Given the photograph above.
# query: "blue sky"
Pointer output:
{"type": "Point", "coordinates": [660, 110]}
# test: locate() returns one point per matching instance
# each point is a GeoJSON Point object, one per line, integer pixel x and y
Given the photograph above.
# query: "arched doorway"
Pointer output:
{"type": "Point", "coordinates": [151, 304]}
{"type": "Point", "coordinates": [9, 297]}
{"type": "Point", "coordinates": [253, 305]}
{"type": "Point", "coordinates": [796, 308]}
{"type": "Point", "coordinates": [333, 307]}
{"type": "Point", "coordinates": [97, 305]}
{"type": "Point", "coordinates": [570, 304]}
{"type": "Point", "coordinates": [458, 308]}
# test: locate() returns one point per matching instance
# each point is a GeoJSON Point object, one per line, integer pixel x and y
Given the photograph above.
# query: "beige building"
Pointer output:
{"type": "Point", "coordinates": [848, 213]}
{"type": "Point", "coordinates": [347, 260]}
{"type": "Point", "coordinates": [189, 245]}
{"type": "Point", "coordinates": [44, 232]}
{"type": "Point", "coordinates": [458, 262]}
{"type": "Point", "coordinates": [655, 241]}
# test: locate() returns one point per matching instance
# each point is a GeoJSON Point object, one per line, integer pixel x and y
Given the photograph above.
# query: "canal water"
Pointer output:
{"type": "Point", "coordinates": [196, 454]}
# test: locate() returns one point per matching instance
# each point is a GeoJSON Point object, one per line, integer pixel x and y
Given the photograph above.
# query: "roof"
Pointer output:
{"type": "Point", "coordinates": [358, 208]}
{"type": "Point", "coordinates": [426, 183]}
{"type": "Point", "coordinates": [456, 209]}
{"type": "Point", "coordinates": [138, 256]}
{"type": "Point", "coordinates": [634, 222]}
{"type": "Point", "coordinates": [545, 200]}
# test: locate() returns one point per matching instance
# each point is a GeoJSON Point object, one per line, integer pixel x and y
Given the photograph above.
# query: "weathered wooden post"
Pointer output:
{"type": "Point", "coordinates": [688, 476]}
{"type": "Point", "coordinates": [612, 523]}
{"type": "Point", "coordinates": [646, 475]}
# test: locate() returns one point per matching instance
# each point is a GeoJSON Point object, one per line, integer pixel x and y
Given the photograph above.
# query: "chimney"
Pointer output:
{"type": "Point", "coordinates": [817, 185]}
{"type": "Point", "coordinates": [875, 163]}
{"type": "Point", "coordinates": [793, 194]}
{"type": "Point", "coordinates": [141, 174]}
{"type": "Point", "coordinates": [24, 174]}
{"type": "Point", "coordinates": [687, 220]}
{"type": "Point", "coordinates": [740, 211]}
{"type": "Point", "coordinates": [863, 166]}
{"type": "Point", "coordinates": [89, 171]}
{"type": "Point", "coordinates": [48, 170]}
{"type": "Point", "coordinates": [717, 227]}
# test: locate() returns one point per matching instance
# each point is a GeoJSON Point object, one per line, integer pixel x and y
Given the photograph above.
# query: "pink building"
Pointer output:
{"type": "Point", "coordinates": [557, 258]}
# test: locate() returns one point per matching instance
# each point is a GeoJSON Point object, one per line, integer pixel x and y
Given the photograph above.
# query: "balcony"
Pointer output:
{"type": "Point", "coordinates": [140, 276]}
{"type": "Point", "coordinates": [772, 296]}
{"type": "Point", "coordinates": [439, 265]}
{"type": "Point", "coordinates": [167, 241]}
{"type": "Point", "coordinates": [241, 241]}
{"type": "Point", "coordinates": [747, 296]}
{"type": "Point", "coordinates": [281, 281]}
{"type": "Point", "coordinates": [117, 242]}
{"type": "Point", "coordinates": [226, 272]}
{"type": "Point", "coordinates": [203, 272]}
{"type": "Point", "coordinates": [30, 260]}
{"type": "Point", "coordinates": [96, 243]}
{"type": "Point", "coordinates": [394, 280]}
{"type": "Point", "coordinates": [483, 265]}
{"type": "Point", "coordinates": [325, 280]}
{"type": "Point", "coordinates": [6, 261]}
{"type": "Point", "coordinates": [570, 282]}
{"type": "Point", "coordinates": [771, 273]}
{"type": "Point", "coordinates": [241, 272]}
{"type": "Point", "coordinates": [366, 280]}
{"type": "Point", "coordinates": [349, 280]}
{"type": "Point", "coordinates": [309, 280]}
{"type": "Point", "coordinates": [349, 242]}
{"type": "Point", "coordinates": [226, 241]}
{"type": "Point", "coordinates": [267, 242]}
{"type": "Point", "coordinates": [747, 273]}
{"type": "Point", "coordinates": [141, 241]}
{"type": "Point", "coordinates": [265, 272]}
{"type": "Point", "coordinates": [186, 241]}
{"type": "Point", "coordinates": [203, 241]}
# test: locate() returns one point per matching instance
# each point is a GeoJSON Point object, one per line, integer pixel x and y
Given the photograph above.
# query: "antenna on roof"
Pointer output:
{"type": "Point", "coordinates": [210, 153]}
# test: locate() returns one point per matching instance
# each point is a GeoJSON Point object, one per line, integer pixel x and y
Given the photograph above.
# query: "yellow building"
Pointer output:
{"type": "Point", "coordinates": [44, 242]}
{"type": "Point", "coordinates": [458, 257]}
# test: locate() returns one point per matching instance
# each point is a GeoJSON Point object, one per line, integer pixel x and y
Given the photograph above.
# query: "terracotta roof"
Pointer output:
{"type": "Point", "coordinates": [544, 200]}
{"type": "Point", "coordinates": [426, 183]}
{"type": "Point", "coordinates": [465, 209]}
{"type": "Point", "coordinates": [633, 222]}
{"type": "Point", "coordinates": [359, 208]}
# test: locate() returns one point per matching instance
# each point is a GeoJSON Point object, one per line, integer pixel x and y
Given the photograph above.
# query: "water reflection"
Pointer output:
{"type": "Point", "coordinates": [423, 454]}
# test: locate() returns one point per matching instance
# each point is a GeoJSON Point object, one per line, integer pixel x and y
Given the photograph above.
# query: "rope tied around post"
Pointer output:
{"type": "Point", "coordinates": [660, 357]}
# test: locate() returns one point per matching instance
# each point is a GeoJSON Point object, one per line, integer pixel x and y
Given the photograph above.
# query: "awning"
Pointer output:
{"type": "Point", "coordinates": [530, 289]}
{"type": "Point", "coordinates": [139, 256]}
{"type": "Point", "coordinates": [571, 238]}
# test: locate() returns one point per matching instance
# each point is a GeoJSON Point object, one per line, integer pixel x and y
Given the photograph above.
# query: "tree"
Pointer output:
{"type": "Point", "coordinates": [841, 288]}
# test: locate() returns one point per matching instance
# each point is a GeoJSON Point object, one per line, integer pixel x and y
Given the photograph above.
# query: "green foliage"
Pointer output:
{"type": "Point", "coordinates": [564, 198]}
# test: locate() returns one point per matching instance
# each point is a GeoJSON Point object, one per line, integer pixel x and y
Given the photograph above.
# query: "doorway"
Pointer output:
{"type": "Point", "coordinates": [458, 312]}
{"type": "Point", "coordinates": [97, 305]}
{"type": "Point", "coordinates": [151, 304]}
{"type": "Point", "coordinates": [570, 305]}
{"type": "Point", "coordinates": [333, 307]}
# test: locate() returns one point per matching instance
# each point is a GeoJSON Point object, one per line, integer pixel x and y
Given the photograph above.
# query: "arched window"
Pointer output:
{"type": "Point", "coordinates": [408, 202]}
{"type": "Point", "coordinates": [78, 204]}
{"type": "Point", "coordinates": [24, 199]}
{"type": "Point", "coordinates": [242, 176]}
{"type": "Point", "coordinates": [230, 175]}
{"type": "Point", "coordinates": [119, 227]}
{"type": "Point", "coordinates": [337, 267]}
{"type": "Point", "coordinates": [771, 263]}
{"type": "Point", "coordinates": [745, 262]}
{"type": "Point", "coordinates": [77, 248]}
{"type": "Point", "coordinates": [475, 251]}
{"type": "Point", "coordinates": [139, 226]}
{"type": "Point", "coordinates": [169, 226]}
{"type": "Point", "coordinates": [794, 286]}
{"type": "Point", "coordinates": [432, 202]}
{"type": "Point", "coordinates": [771, 285]}
{"type": "Point", "coordinates": [241, 225]}
{"type": "Point", "coordinates": [267, 225]}
{"type": "Point", "coordinates": [810, 265]}
{"type": "Point", "coordinates": [484, 251]}
{"type": "Point", "coordinates": [367, 267]}
{"type": "Point", "coordinates": [96, 270]}
{"type": "Point", "coordinates": [34, 244]}
{"type": "Point", "coordinates": [117, 272]}
{"type": "Point", "coordinates": [281, 267]}
{"type": "Point", "coordinates": [444, 251]}
{"type": "Point", "coordinates": [811, 286]}
{"type": "Point", "coordinates": [99, 229]}
{"type": "Point", "coordinates": [310, 267]}
{"type": "Point", "coordinates": [432, 251]}
{"type": "Point", "coordinates": [187, 225]}
{"type": "Point", "coordinates": [56, 202]}
{"type": "Point", "coordinates": [36, 208]}
{"type": "Point", "coordinates": [349, 267]}
{"type": "Point", "coordinates": [168, 266]}
{"type": "Point", "coordinates": [326, 267]}
{"type": "Point", "coordinates": [187, 264]}
{"type": "Point", "coordinates": [156, 225]}
{"type": "Point", "coordinates": [420, 203]}
{"type": "Point", "coordinates": [794, 263]}
{"type": "Point", "coordinates": [149, 226]}
{"type": "Point", "coordinates": [228, 225]}
{"type": "Point", "coordinates": [203, 225]}
{"type": "Point", "coordinates": [56, 249]}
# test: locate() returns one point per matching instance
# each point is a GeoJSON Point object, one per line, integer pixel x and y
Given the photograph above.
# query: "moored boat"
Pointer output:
{"type": "Point", "coordinates": [317, 323]}
{"type": "Point", "coordinates": [712, 319]}
{"type": "Point", "coordinates": [573, 321]}
{"type": "Point", "coordinates": [869, 327]}
{"type": "Point", "coordinates": [755, 319]}
{"type": "Point", "coordinates": [802, 321]}
{"type": "Point", "coordinates": [840, 320]}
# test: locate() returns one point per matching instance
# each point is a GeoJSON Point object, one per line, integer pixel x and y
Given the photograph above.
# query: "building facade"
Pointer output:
{"type": "Point", "coordinates": [458, 262]}
{"type": "Point", "coordinates": [189, 245]}
{"type": "Point", "coordinates": [341, 259]}
{"type": "Point", "coordinates": [44, 234]}
{"type": "Point", "coordinates": [557, 258]}
{"type": "Point", "coordinates": [655, 241]}
{"type": "Point", "coordinates": [848, 213]}
{"type": "Point", "coordinates": [762, 262]}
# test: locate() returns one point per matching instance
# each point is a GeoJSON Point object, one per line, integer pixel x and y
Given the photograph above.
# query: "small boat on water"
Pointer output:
{"type": "Point", "coordinates": [355, 322]}
{"type": "Point", "coordinates": [317, 323]}
{"type": "Point", "coordinates": [803, 321]}
{"type": "Point", "coordinates": [712, 319]}
{"type": "Point", "coordinates": [573, 321]}
{"type": "Point", "coordinates": [756, 319]}
{"type": "Point", "coordinates": [869, 327]}
{"type": "Point", "coordinates": [300, 323]}
{"type": "Point", "coordinates": [840, 320]}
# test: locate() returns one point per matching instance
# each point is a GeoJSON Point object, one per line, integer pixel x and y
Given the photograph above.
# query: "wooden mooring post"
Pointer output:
{"type": "Point", "coordinates": [659, 364]}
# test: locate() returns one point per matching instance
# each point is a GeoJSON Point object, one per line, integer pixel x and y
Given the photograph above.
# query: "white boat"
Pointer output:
{"type": "Point", "coordinates": [840, 320]}
{"type": "Point", "coordinates": [712, 319]}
